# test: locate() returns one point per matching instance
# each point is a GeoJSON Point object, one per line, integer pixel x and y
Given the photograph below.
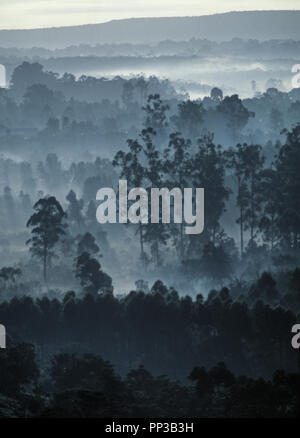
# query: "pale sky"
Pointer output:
{"type": "Point", "coordinates": [20, 14]}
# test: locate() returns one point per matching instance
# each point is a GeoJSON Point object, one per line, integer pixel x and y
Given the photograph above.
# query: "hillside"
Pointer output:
{"type": "Point", "coordinates": [262, 25]}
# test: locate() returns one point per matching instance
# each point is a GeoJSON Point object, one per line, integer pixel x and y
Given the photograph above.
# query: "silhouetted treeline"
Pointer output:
{"type": "Point", "coordinates": [86, 386]}
{"type": "Point", "coordinates": [165, 332]}
{"type": "Point", "coordinates": [195, 46]}
{"type": "Point", "coordinates": [43, 110]}
{"type": "Point", "coordinates": [228, 295]}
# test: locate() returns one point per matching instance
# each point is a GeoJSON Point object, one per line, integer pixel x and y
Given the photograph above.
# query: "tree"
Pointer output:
{"type": "Point", "coordinates": [216, 94]}
{"type": "Point", "coordinates": [235, 114]}
{"type": "Point", "coordinates": [18, 367]}
{"type": "Point", "coordinates": [270, 191]}
{"type": "Point", "coordinates": [189, 120]}
{"type": "Point", "coordinates": [75, 208]}
{"type": "Point", "coordinates": [48, 226]}
{"type": "Point", "coordinates": [264, 288]}
{"type": "Point", "coordinates": [87, 243]}
{"type": "Point", "coordinates": [155, 234]}
{"type": "Point", "coordinates": [215, 263]}
{"type": "Point", "coordinates": [25, 75]}
{"type": "Point", "coordinates": [177, 170]}
{"type": "Point", "coordinates": [221, 376]}
{"type": "Point", "coordinates": [9, 274]}
{"type": "Point", "coordinates": [92, 278]}
{"type": "Point", "coordinates": [89, 372]}
{"type": "Point", "coordinates": [155, 114]}
{"type": "Point", "coordinates": [208, 171]}
{"type": "Point", "coordinates": [130, 164]}
{"type": "Point", "coordinates": [288, 202]}
{"type": "Point", "coordinates": [202, 379]}
{"type": "Point", "coordinates": [255, 162]}
{"type": "Point", "coordinates": [39, 100]}
{"type": "Point", "coordinates": [246, 163]}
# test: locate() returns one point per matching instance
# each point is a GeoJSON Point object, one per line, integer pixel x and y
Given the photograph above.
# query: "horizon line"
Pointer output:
{"type": "Point", "coordinates": [145, 18]}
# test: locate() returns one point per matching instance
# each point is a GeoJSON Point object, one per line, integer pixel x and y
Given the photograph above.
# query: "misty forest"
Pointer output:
{"type": "Point", "coordinates": [133, 320]}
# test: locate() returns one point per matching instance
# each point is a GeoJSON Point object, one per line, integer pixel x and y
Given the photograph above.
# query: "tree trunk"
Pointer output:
{"type": "Point", "coordinates": [252, 212]}
{"type": "Point", "coordinates": [45, 264]}
{"type": "Point", "coordinates": [181, 241]}
{"type": "Point", "coordinates": [241, 231]}
{"type": "Point", "coordinates": [272, 234]}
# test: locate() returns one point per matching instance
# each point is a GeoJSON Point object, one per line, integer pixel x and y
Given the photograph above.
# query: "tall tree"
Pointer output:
{"type": "Point", "coordinates": [237, 162]}
{"type": "Point", "coordinates": [177, 171]}
{"type": "Point", "coordinates": [131, 169]}
{"type": "Point", "coordinates": [156, 115]}
{"type": "Point", "coordinates": [288, 204]}
{"type": "Point", "coordinates": [208, 171]}
{"type": "Point", "coordinates": [47, 226]}
{"type": "Point", "coordinates": [75, 209]}
{"type": "Point", "coordinates": [270, 190]}
{"type": "Point", "coordinates": [235, 114]}
{"type": "Point", "coordinates": [155, 234]}
{"type": "Point", "coordinates": [189, 119]}
{"type": "Point", "coordinates": [87, 243]}
{"type": "Point", "coordinates": [255, 161]}
{"type": "Point", "coordinates": [92, 278]}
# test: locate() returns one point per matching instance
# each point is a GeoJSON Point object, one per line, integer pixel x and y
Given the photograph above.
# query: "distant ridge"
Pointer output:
{"type": "Point", "coordinates": [261, 25]}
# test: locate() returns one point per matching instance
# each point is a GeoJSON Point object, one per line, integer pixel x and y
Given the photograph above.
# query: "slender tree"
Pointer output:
{"type": "Point", "coordinates": [133, 171]}
{"type": "Point", "coordinates": [208, 171]}
{"type": "Point", "coordinates": [47, 226]}
{"type": "Point", "coordinates": [237, 162]}
{"type": "Point", "coordinates": [255, 161]}
{"type": "Point", "coordinates": [155, 234]}
{"type": "Point", "coordinates": [156, 115]}
{"type": "Point", "coordinates": [288, 203]}
{"type": "Point", "coordinates": [177, 171]}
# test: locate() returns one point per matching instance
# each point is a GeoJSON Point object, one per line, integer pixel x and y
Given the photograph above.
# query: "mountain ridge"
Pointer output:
{"type": "Point", "coordinates": [261, 25]}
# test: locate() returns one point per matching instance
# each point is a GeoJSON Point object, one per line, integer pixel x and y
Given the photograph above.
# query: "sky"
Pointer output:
{"type": "Point", "coordinates": [21, 14]}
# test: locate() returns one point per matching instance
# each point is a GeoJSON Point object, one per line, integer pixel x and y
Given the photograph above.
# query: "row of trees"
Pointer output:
{"type": "Point", "coordinates": [48, 227]}
{"type": "Point", "coordinates": [183, 163]}
{"type": "Point", "coordinates": [66, 109]}
{"type": "Point", "coordinates": [165, 332]}
{"type": "Point", "coordinates": [86, 386]}
{"type": "Point", "coordinates": [263, 212]}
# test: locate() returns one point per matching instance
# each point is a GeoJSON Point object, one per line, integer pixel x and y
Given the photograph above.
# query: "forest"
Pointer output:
{"type": "Point", "coordinates": [142, 319]}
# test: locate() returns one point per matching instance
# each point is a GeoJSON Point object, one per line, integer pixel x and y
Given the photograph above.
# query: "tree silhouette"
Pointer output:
{"type": "Point", "coordinates": [177, 170]}
{"type": "Point", "coordinates": [87, 243]}
{"type": "Point", "coordinates": [92, 278]}
{"type": "Point", "coordinates": [155, 115]}
{"type": "Point", "coordinates": [189, 120]}
{"type": "Point", "coordinates": [132, 169]}
{"type": "Point", "coordinates": [216, 94]}
{"type": "Point", "coordinates": [75, 209]}
{"type": "Point", "coordinates": [208, 171]}
{"type": "Point", "coordinates": [235, 114]}
{"type": "Point", "coordinates": [47, 226]}
{"type": "Point", "coordinates": [288, 206]}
